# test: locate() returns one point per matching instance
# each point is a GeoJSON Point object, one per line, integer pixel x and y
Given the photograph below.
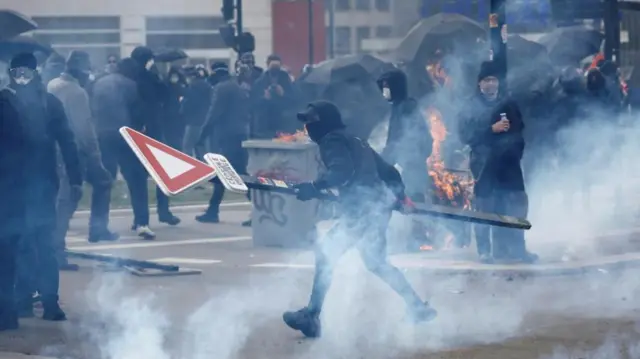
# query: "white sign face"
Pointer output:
{"type": "Point", "coordinates": [226, 173]}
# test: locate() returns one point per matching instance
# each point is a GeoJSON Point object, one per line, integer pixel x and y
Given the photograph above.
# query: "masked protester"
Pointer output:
{"type": "Point", "coordinates": [272, 94]}
{"type": "Point", "coordinates": [493, 128]}
{"type": "Point", "coordinates": [152, 94]}
{"type": "Point", "coordinates": [14, 159]}
{"type": "Point", "coordinates": [47, 125]}
{"type": "Point", "coordinates": [173, 123]}
{"type": "Point", "coordinates": [409, 140]}
{"type": "Point", "coordinates": [368, 190]}
{"type": "Point", "coordinates": [69, 89]}
{"type": "Point", "coordinates": [194, 108]}
{"type": "Point", "coordinates": [116, 103]}
{"type": "Point", "coordinates": [225, 128]}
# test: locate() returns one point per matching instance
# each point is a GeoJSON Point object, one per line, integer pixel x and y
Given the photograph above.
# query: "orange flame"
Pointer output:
{"type": "Point", "coordinates": [449, 187]}
{"type": "Point", "coordinates": [299, 136]}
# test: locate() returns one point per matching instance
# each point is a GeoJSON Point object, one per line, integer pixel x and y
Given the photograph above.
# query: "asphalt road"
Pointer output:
{"type": "Point", "coordinates": [233, 308]}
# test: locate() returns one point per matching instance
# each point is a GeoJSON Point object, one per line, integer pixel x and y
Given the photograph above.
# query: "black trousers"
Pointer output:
{"type": "Point", "coordinates": [37, 266]}
{"type": "Point", "coordinates": [507, 242]}
{"type": "Point", "coordinates": [367, 232]}
{"type": "Point", "coordinates": [117, 154]}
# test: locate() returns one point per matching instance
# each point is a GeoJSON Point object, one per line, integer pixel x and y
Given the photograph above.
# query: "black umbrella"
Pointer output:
{"type": "Point", "coordinates": [13, 23]}
{"type": "Point", "coordinates": [170, 55]}
{"type": "Point", "coordinates": [20, 44]}
{"type": "Point", "coordinates": [345, 68]}
{"type": "Point", "coordinates": [569, 45]}
{"type": "Point", "coordinates": [436, 32]}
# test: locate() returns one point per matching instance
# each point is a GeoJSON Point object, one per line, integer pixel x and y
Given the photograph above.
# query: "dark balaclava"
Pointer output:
{"type": "Point", "coordinates": [394, 85]}
{"type": "Point", "coordinates": [143, 56]}
{"type": "Point", "coordinates": [23, 71]}
{"type": "Point", "coordinates": [320, 118]}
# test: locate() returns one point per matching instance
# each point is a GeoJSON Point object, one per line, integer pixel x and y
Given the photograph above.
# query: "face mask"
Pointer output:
{"type": "Point", "coordinates": [173, 79]}
{"type": "Point", "coordinates": [386, 93]}
{"type": "Point", "coordinates": [22, 75]}
{"type": "Point", "coordinates": [149, 64]}
{"type": "Point", "coordinates": [92, 77]}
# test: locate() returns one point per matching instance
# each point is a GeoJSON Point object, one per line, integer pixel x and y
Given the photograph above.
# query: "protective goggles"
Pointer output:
{"type": "Point", "coordinates": [22, 73]}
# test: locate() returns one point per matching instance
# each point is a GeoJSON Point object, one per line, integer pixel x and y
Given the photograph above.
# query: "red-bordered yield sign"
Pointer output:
{"type": "Point", "coordinates": [172, 170]}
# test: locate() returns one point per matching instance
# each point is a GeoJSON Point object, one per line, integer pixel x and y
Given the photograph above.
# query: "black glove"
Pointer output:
{"type": "Point", "coordinates": [306, 191]}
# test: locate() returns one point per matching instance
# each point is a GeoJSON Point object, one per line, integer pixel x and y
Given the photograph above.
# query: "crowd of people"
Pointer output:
{"type": "Point", "coordinates": [59, 129]}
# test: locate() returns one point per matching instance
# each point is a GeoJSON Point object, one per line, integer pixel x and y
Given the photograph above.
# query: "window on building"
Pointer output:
{"type": "Point", "coordinates": [383, 5]}
{"type": "Point", "coordinates": [362, 33]}
{"type": "Point", "coordinates": [363, 5]}
{"type": "Point", "coordinates": [77, 22]}
{"type": "Point", "coordinates": [186, 41]}
{"type": "Point", "coordinates": [78, 38]}
{"type": "Point", "coordinates": [384, 32]}
{"type": "Point", "coordinates": [184, 23]}
{"type": "Point", "coordinates": [342, 5]}
{"type": "Point", "coordinates": [342, 40]}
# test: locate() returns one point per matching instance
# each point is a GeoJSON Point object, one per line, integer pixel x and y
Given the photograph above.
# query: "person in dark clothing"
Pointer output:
{"type": "Point", "coordinates": [409, 142]}
{"type": "Point", "coordinates": [272, 95]}
{"type": "Point", "coordinates": [194, 108]}
{"type": "Point", "coordinates": [14, 158]}
{"type": "Point", "coordinates": [226, 128]}
{"type": "Point", "coordinates": [493, 128]}
{"type": "Point", "coordinates": [368, 188]}
{"type": "Point", "coordinates": [69, 89]}
{"type": "Point", "coordinates": [115, 103]}
{"type": "Point", "coordinates": [53, 67]}
{"type": "Point", "coordinates": [173, 121]}
{"type": "Point", "coordinates": [152, 94]}
{"type": "Point", "coordinates": [45, 119]}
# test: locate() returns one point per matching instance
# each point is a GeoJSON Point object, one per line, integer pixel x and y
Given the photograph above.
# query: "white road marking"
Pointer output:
{"type": "Point", "coordinates": [195, 261]}
{"type": "Point", "coordinates": [151, 244]}
{"type": "Point", "coordinates": [283, 265]}
{"type": "Point", "coordinates": [84, 239]}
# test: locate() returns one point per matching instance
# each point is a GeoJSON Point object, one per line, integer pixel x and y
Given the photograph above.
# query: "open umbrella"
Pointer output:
{"type": "Point", "coordinates": [345, 68]}
{"type": "Point", "coordinates": [170, 55]}
{"type": "Point", "coordinates": [569, 45]}
{"type": "Point", "coordinates": [13, 23]}
{"type": "Point", "coordinates": [22, 43]}
{"type": "Point", "coordinates": [438, 31]}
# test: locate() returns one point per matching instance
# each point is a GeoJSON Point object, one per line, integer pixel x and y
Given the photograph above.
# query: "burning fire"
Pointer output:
{"type": "Point", "coordinates": [450, 188]}
{"type": "Point", "coordinates": [299, 136]}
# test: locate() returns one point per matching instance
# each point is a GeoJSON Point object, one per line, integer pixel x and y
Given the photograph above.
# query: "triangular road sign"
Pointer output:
{"type": "Point", "coordinates": [172, 170]}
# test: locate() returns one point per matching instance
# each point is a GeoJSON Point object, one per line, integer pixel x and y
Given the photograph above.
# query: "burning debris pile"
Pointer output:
{"type": "Point", "coordinates": [301, 136]}
{"type": "Point", "coordinates": [449, 188]}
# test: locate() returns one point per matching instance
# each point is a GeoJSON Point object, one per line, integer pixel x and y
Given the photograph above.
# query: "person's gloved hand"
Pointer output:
{"type": "Point", "coordinates": [75, 193]}
{"type": "Point", "coordinates": [405, 204]}
{"type": "Point", "coordinates": [306, 191]}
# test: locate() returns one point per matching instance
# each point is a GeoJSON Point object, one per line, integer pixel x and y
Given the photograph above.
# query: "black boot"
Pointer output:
{"type": "Point", "coordinates": [103, 235]}
{"type": "Point", "coordinates": [52, 310]}
{"type": "Point", "coordinates": [246, 223]}
{"type": "Point", "coordinates": [168, 218]}
{"type": "Point", "coordinates": [305, 321]}
{"type": "Point", "coordinates": [208, 218]}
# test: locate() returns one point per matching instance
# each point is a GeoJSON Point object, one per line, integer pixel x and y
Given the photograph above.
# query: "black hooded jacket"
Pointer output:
{"type": "Point", "coordinates": [151, 90]}
{"type": "Point", "coordinates": [495, 157]}
{"type": "Point", "coordinates": [352, 167]}
{"type": "Point", "coordinates": [409, 140]}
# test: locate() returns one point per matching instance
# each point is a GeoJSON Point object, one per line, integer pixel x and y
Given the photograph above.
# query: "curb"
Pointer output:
{"type": "Point", "coordinates": [122, 212]}
{"type": "Point", "coordinates": [11, 355]}
{"type": "Point", "coordinates": [600, 265]}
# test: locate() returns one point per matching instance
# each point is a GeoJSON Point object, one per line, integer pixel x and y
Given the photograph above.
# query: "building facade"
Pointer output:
{"type": "Point", "coordinates": [116, 27]}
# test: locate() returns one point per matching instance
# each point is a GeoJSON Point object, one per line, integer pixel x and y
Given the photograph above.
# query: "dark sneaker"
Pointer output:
{"type": "Point", "coordinates": [421, 314]}
{"type": "Point", "coordinates": [246, 223]}
{"type": "Point", "coordinates": [486, 258]}
{"type": "Point", "coordinates": [145, 233]}
{"type": "Point", "coordinates": [304, 321]}
{"type": "Point", "coordinates": [208, 218]}
{"type": "Point", "coordinates": [169, 219]}
{"type": "Point", "coordinates": [54, 313]}
{"type": "Point", "coordinates": [100, 236]}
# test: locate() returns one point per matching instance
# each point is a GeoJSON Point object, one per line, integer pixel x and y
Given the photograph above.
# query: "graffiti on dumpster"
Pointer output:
{"type": "Point", "coordinates": [270, 206]}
